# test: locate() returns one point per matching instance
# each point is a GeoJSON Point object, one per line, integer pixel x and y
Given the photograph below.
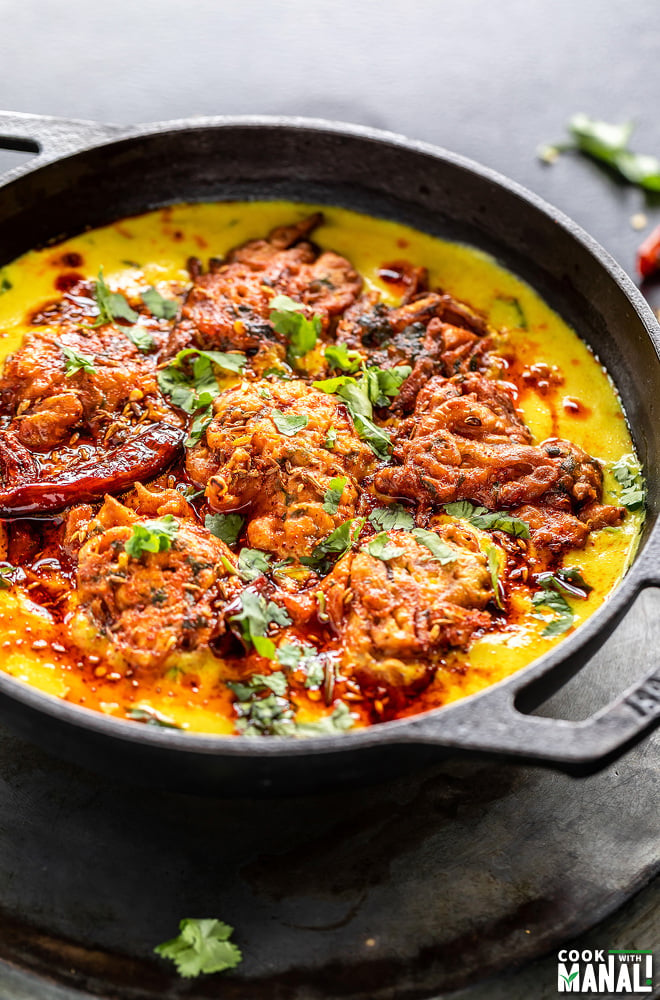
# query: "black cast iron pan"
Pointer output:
{"type": "Point", "coordinates": [85, 175]}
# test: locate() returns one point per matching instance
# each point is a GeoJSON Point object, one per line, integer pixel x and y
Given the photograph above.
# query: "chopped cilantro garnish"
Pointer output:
{"type": "Point", "coordinates": [330, 438]}
{"type": "Point", "coordinates": [139, 336]}
{"type": "Point", "coordinates": [340, 720]}
{"type": "Point", "coordinates": [333, 495]}
{"type": "Point", "coordinates": [380, 547]}
{"type": "Point", "coordinates": [488, 520]}
{"type": "Point", "coordinates": [437, 547]}
{"type": "Point", "coordinates": [554, 586]}
{"type": "Point", "coordinates": [226, 527]}
{"type": "Point", "coordinates": [253, 563]}
{"type": "Point", "coordinates": [628, 475]}
{"type": "Point", "coordinates": [159, 306]}
{"type": "Point", "coordinates": [494, 557]}
{"type": "Point", "coordinates": [195, 391]}
{"type": "Point", "coordinates": [201, 946]}
{"type": "Point", "coordinates": [336, 543]}
{"type": "Point", "coordinates": [288, 319]}
{"type": "Point", "coordinates": [393, 517]}
{"type": "Point", "coordinates": [75, 362]}
{"type": "Point", "coordinates": [151, 717]}
{"type": "Point", "coordinates": [289, 423]}
{"type": "Point", "coordinates": [257, 614]}
{"type": "Point", "coordinates": [339, 356]}
{"type": "Point", "coordinates": [375, 387]}
{"type": "Point", "coordinates": [111, 305]}
{"type": "Point", "coordinates": [151, 536]}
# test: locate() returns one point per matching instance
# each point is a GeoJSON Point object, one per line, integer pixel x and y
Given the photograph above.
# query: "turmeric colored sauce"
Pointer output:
{"type": "Point", "coordinates": [561, 390]}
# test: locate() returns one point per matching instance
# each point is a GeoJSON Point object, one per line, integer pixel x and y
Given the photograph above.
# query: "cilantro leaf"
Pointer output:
{"type": "Point", "coordinates": [340, 720]}
{"type": "Point", "coordinates": [375, 387]}
{"type": "Point", "coordinates": [288, 319]}
{"type": "Point", "coordinates": [491, 520]}
{"type": "Point", "coordinates": [264, 646]}
{"type": "Point", "coordinates": [303, 657]}
{"type": "Point", "coordinates": [394, 516]}
{"type": "Point", "coordinates": [289, 423]}
{"type": "Point", "coordinates": [151, 536]}
{"type": "Point", "coordinates": [339, 356]}
{"type": "Point", "coordinates": [158, 306]}
{"type": "Point", "coordinates": [253, 563]}
{"type": "Point", "coordinates": [202, 419]}
{"type": "Point", "coordinates": [139, 336]}
{"type": "Point", "coordinates": [333, 495]}
{"type": "Point", "coordinates": [628, 474]}
{"type": "Point", "coordinates": [201, 946]}
{"type": "Point", "coordinates": [194, 393]}
{"type": "Point", "coordinates": [437, 547]}
{"type": "Point", "coordinates": [380, 547]}
{"type": "Point", "coordinates": [111, 305]}
{"type": "Point", "coordinates": [151, 717]}
{"type": "Point", "coordinates": [330, 438]}
{"type": "Point", "coordinates": [257, 614]}
{"type": "Point", "coordinates": [226, 527]}
{"type": "Point", "coordinates": [270, 716]}
{"type": "Point", "coordinates": [336, 543]}
{"type": "Point", "coordinates": [232, 361]}
{"type": "Point", "coordinates": [494, 557]}
{"type": "Point", "coordinates": [550, 596]}
{"type": "Point", "coordinates": [75, 362]}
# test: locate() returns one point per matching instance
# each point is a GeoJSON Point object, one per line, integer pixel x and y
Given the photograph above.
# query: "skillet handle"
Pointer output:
{"type": "Point", "coordinates": [48, 137]}
{"type": "Point", "coordinates": [490, 724]}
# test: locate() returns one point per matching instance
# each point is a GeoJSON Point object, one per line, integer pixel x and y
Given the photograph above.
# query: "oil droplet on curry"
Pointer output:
{"type": "Point", "coordinates": [276, 469]}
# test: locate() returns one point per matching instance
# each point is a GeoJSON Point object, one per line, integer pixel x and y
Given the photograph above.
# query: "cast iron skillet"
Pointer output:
{"type": "Point", "coordinates": [86, 175]}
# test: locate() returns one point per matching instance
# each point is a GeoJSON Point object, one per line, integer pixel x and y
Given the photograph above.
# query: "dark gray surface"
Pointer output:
{"type": "Point", "coordinates": [490, 81]}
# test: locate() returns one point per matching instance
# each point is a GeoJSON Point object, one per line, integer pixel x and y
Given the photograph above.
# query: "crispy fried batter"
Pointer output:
{"type": "Point", "coordinates": [48, 405]}
{"type": "Point", "coordinates": [229, 306]}
{"type": "Point", "coordinates": [150, 606]}
{"type": "Point", "coordinates": [396, 618]}
{"type": "Point", "coordinates": [466, 441]}
{"type": "Point", "coordinates": [277, 479]}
